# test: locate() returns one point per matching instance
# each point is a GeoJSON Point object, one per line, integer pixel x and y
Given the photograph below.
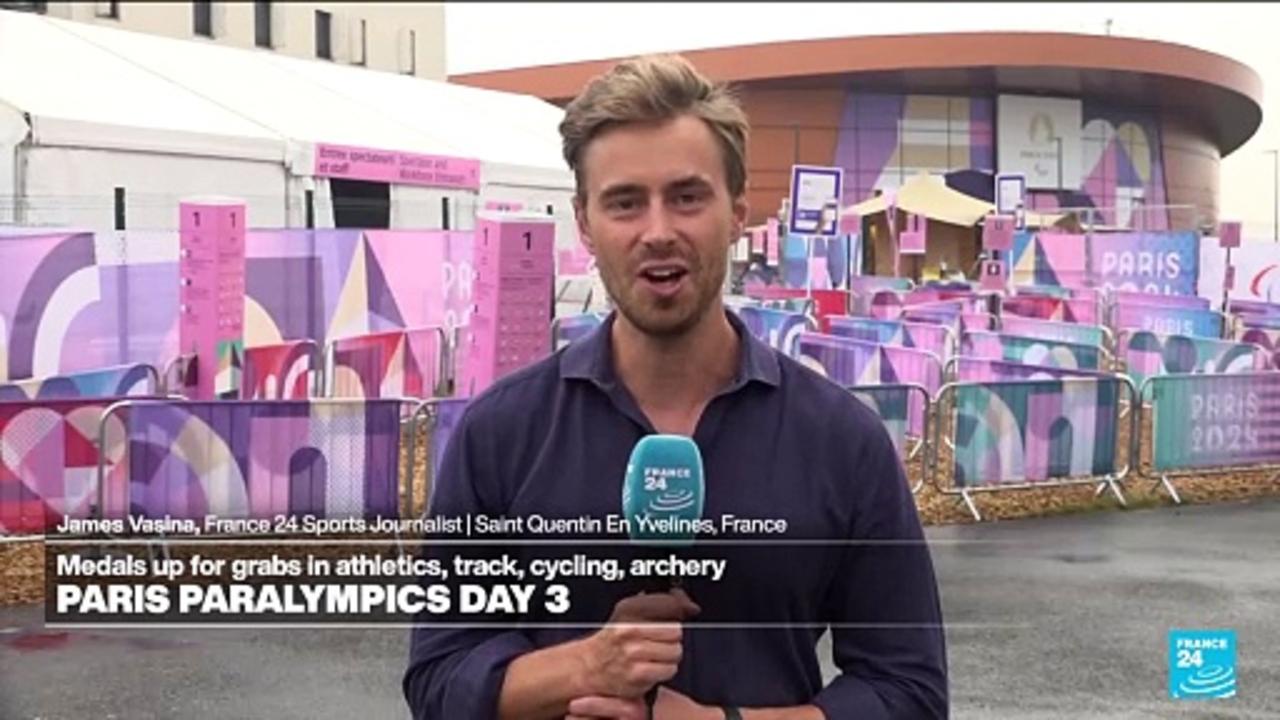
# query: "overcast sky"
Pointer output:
{"type": "Point", "coordinates": [487, 36]}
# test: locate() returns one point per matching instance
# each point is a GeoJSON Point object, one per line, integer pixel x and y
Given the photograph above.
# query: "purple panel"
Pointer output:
{"type": "Point", "coordinates": [382, 458]}
{"type": "Point", "coordinates": [869, 128]}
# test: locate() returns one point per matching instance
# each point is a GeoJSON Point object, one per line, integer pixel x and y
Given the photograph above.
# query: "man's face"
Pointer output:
{"type": "Point", "coordinates": [656, 213]}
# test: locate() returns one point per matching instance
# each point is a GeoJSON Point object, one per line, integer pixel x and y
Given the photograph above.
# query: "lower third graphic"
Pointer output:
{"type": "Point", "coordinates": [1202, 664]}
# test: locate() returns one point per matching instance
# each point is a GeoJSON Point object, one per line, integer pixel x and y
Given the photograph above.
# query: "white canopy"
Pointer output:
{"type": "Point", "coordinates": [81, 83]}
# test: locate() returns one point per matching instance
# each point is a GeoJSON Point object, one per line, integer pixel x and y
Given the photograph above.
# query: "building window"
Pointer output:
{"type": "Point", "coordinates": [40, 8]}
{"type": "Point", "coordinates": [202, 18]}
{"type": "Point", "coordinates": [262, 24]}
{"type": "Point", "coordinates": [409, 53]}
{"type": "Point", "coordinates": [107, 10]}
{"type": "Point", "coordinates": [360, 53]}
{"type": "Point", "coordinates": [324, 35]}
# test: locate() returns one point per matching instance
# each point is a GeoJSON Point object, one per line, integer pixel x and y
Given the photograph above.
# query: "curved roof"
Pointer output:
{"type": "Point", "coordinates": [81, 79]}
{"type": "Point", "coordinates": [1221, 96]}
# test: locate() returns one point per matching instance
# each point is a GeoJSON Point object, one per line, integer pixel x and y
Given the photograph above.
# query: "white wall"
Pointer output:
{"type": "Point", "coordinates": [293, 28]}
{"type": "Point", "coordinates": [76, 187]}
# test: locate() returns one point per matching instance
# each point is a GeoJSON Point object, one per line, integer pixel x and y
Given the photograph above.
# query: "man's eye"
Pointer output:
{"type": "Point", "coordinates": [622, 204]}
{"type": "Point", "coordinates": [688, 198]}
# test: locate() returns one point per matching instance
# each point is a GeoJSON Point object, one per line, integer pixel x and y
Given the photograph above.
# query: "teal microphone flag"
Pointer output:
{"type": "Point", "coordinates": [663, 493]}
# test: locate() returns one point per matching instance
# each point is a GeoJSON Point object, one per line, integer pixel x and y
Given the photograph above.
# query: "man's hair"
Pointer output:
{"type": "Point", "coordinates": [650, 89]}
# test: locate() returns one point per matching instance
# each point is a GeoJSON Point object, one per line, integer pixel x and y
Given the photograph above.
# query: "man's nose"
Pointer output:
{"type": "Point", "coordinates": [659, 227]}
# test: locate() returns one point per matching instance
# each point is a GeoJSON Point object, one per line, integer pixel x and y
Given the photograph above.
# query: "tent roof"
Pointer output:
{"type": "Point", "coordinates": [75, 76]}
{"type": "Point", "coordinates": [930, 196]}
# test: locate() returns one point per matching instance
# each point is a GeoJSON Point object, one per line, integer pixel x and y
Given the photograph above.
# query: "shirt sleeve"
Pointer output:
{"type": "Point", "coordinates": [891, 651]}
{"type": "Point", "coordinates": [457, 672]}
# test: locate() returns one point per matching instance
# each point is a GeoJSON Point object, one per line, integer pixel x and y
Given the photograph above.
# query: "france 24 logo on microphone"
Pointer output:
{"type": "Point", "coordinates": [1202, 664]}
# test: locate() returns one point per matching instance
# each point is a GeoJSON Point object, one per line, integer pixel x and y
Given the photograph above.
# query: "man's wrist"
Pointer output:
{"type": "Point", "coordinates": [580, 655]}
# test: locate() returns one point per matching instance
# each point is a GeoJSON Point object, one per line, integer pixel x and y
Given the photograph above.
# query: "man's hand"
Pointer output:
{"type": "Point", "coordinates": [640, 647]}
{"type": "Point", "coordinates": [671, 705]}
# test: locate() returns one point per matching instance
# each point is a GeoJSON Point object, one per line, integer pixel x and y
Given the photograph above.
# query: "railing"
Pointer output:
{"type": "Point", "coordinates": [1014, 435]}
{"type": "Point", "coordinates": [1208, 424]}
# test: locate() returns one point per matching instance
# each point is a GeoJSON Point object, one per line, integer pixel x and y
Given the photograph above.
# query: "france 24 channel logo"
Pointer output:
{"type": "Point", "coordinates": [1202, 664]}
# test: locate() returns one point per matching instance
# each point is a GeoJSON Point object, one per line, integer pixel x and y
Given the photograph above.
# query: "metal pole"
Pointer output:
{"type": "Point", "coordinates": [1275, 192]}
{"type": "Point", "coordinates": [1058, 140]}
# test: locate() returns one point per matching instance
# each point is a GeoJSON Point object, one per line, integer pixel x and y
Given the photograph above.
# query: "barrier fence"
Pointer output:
{"type": "Point", "coordinates": [1168, 319]}
{"type": "Point", "coordinates": [777, 328]}
{"type": "Point", "coordinates": [568, 328]}
{"type": "Point", "coordinates": [286, 371]}
{"type": "Point", "coordinates": [252, 459]}
{"type": "Point", "coordinates": [1266, 338]}
{"type": "Point", "coordinates": [1034, 351]}
{"type": "Point", "coordinates": [1075, 310]}
{"type": "Point", "coordinates": [441, 417]}
{"type": "Point", "coordinates": [893, 404]}
{"type": "Point", "coordinates": [1205, 424]}
{"type": "Point", "coordinates": [971, 369]}
{"type": "Point", "coordinates": [1020, 434]}
{"type": "Point", "coordinates": [137, 379]}
{"type": "Point", "coordinates": [850, 362]}
{"type": "Point", "coordinates": [937, 339]}
{"type": "Point", "coordinates": [1147, 354]}
{"type": "Point", "coordinates": [396, 363]}
{"type": "Point", "coordinates": [1076, 333]}
{"type": "Point", "coordinates": [53, 456]}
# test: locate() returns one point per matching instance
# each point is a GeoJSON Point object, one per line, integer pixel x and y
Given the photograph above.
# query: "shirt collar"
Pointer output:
{"type": "Point", "coordinates": [591, 357]}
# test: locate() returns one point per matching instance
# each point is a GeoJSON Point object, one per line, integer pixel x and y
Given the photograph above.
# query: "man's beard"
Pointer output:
{"type": "Point", "coordinates": [667, 318]}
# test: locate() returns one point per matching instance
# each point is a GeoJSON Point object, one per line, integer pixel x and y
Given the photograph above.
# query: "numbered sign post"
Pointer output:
{"type": "Point", "coordinates": [211, 293]}
{"type": "Point", "coordinates": [997, 233]}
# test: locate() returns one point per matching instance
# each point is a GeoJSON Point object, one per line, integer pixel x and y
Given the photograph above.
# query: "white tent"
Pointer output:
{"type": "Point", "coordinates": [86, 109]}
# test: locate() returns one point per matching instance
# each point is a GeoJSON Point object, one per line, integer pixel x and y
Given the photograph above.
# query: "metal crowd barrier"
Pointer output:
{"type": "Point", "coordinates": [947, 415]}
{"type": "Point", "coordinates": [442, 362]}
{"type": "Point", "coordinates": [432, 411]}
{"type": "Point", "coordinates": [899, 430]}
{"type": "Point", "coordinates": [119, 410]}
{"type": "Point", "coordinates": [1209, 424]}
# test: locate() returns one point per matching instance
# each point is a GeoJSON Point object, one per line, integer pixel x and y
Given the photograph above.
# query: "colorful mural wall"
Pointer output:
{"type": "Point", "coordinates": [84, 301]}
{"type": "Point", "coordinates": [884, 139]}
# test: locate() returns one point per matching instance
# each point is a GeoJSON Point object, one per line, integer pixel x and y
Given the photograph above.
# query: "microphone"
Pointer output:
{"type": "Point", "coordinates": [662, 501]}
{"type": "Point", "coordinates": [663, 493]}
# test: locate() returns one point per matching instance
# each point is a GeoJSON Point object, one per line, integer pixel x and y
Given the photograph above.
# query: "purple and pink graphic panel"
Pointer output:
{"type": "Point", "coordinates": [1168, 320]}
{"type": "Point", "coordinates": [1148, 354]}
{"type": "Point", "coordinates": [1163, 263]}
{"type": "Point", "coordinates": [1033, 431]}
{"type": "Point", "coordinates": [49, 461]}
{"type": "Point", "coordinates": [970, 369]}
{"type": "Point", "coordinates": [1049, 308]}
{"type": "Point", "coordinates": [851, 362]}
{"type": "Point", "coordinates": [1202, 421]}
{"type": "Point", "coordinates": [255, 459]}
{"type": "Point", "coordinates": [394, 364]}
{"type": "Point", "coordinates": [1032, 350]}
{"type": "Point", "coordinates": [108, 382]}
{"type": "Point", "coordinates": [286, 371]}
{"type": "Point", "coordinates": [73, 301]}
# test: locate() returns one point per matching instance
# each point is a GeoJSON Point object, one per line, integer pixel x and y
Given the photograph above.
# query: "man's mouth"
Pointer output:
{"type": "Point", "coordinates": [663, 278]}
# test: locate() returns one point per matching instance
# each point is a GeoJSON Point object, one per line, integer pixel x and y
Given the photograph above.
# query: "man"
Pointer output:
{"type": "Point", "coordinates": [658, 153]}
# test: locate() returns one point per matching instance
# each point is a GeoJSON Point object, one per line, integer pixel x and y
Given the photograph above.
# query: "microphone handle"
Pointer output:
{"type": "Point", "coordinates": [651, 699]}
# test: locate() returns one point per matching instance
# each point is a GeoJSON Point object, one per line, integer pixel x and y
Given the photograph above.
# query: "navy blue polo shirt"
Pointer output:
{"type": "Point", "coordinates": [779, 442]}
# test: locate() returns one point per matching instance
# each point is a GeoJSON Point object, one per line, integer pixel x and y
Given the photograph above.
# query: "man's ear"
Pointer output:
{"type": "Point", "coordinates": [584, 229]}
{"type": "Point", "coordinates": [741, 211]}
